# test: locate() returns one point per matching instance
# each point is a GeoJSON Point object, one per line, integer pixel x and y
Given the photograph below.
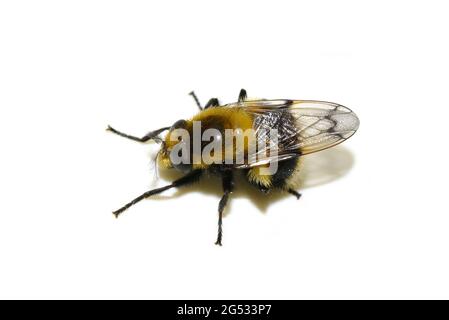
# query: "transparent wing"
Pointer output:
{"type": "Point", "coordinates": [302, 127]}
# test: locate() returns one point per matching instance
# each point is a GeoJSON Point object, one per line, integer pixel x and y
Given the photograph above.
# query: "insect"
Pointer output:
{"type": "Point", "coordinates": [296, 127]}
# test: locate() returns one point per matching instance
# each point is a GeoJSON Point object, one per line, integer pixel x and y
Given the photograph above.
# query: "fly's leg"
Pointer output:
{"type": "Point", "coordinates": [242, 95]}
{"type": "Point", "coordinates": [295, 193]}
{"type": "Point", "coordinates": [228, 186]}
{"type": "Point", "coordinates": [153, 135]}
{"type": "Point", "coordinates": [187, 179]}
{"type": "Point", "coordinates": [197, 101]}
{"type": "Point", "coordinates": [212, 103]}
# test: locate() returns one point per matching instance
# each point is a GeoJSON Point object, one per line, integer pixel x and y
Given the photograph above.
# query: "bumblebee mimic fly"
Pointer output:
{"type": "Point", "coordinates": [263, 139]}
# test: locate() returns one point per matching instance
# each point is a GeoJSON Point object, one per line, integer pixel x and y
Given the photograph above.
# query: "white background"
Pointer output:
{"type": "Point", "coordinates": [373, 221]}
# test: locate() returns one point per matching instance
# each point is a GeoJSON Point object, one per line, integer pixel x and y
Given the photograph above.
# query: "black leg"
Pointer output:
{"type": "Point", "coordinates": [212, 103]}
{"type": "Point", "coordinates": [295, 193]}
{"type": "Point", "coordinates": [153, 135]}
{"type": "Point", "coordinates": [189, 178]}
{"type": "Point", "coordinates": [228, 186]}
{"type": "Point", "coordinates": [196, 100]}
{"type": "Point", "coordinates": [242, 95]}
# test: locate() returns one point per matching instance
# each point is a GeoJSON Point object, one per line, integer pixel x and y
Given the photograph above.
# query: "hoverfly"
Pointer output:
{"type": "Point", "coordinates": [300, 127]}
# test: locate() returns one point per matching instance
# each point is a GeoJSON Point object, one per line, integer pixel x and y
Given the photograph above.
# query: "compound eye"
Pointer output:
{"type": "Point", "coordinates": [180, 124]}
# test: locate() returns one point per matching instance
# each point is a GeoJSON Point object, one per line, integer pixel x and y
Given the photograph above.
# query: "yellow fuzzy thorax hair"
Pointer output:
{"type": "Point", "coordinates": [230, 118]}
{"type": "Point", "coordinates": [233, 118]}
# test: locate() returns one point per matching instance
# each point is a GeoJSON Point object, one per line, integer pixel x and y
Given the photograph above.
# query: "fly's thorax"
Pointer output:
{"type": "Point", "coordinates": [225, 135]}
{"type": "Point", "coordinates": [214, 136]}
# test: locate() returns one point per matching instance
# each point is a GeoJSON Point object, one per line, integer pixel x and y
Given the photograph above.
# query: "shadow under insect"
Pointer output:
{"type": "Point", "coordinates": [318, 169]}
